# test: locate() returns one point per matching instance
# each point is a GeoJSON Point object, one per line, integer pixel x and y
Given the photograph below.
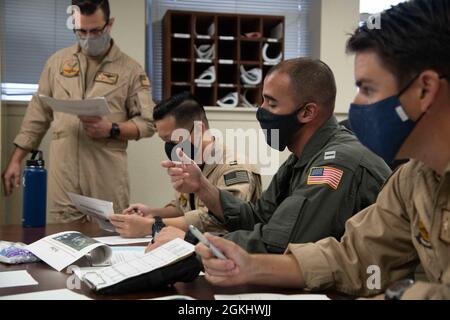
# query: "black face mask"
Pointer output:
{"type": "Point", "coordinates": [188, 148]}
{"type": "Point", "coordinates": [287, 126]}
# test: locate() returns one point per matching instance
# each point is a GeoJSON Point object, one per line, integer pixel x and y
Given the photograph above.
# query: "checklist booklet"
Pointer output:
{"type": "Point", "coordinates": [160, 257]}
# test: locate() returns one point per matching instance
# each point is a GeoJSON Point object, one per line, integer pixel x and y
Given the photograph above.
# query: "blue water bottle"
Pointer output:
{"type": "Point", "coordinates": [34, 192]}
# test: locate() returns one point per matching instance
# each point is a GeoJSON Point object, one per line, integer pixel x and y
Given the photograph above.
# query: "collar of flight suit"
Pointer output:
{"type": "Point", "coordinates": [113, 54]}
{"type": "Point", "coordinates": [318, 141]}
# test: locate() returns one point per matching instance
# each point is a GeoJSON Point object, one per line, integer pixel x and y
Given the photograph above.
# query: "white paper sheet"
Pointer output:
{"type": "Point", "coordinates": [87, 107]}
{"type": "Point", "coordinates": [62, 249]}
{"type": "Point", "coordinates": [17, 278]}
{"type": "Point", "coordinates": [97, 209]}
{"type": "Point", "coordinates": [60, 294]}
{"type": "Point", "coordinates": [118, 240]}
{"type": "Point", "coordinates": [168, 253]}
{"type": "Point", "coordinates": [270, 296]}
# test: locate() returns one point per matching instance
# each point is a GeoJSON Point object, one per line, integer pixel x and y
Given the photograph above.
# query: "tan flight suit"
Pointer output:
{"type": "Point", "coordinates": [407, 226]}
{"type": "Point", "coordinates": [80, 164]}
{"type": "Point", "coordinates": [236, 176]}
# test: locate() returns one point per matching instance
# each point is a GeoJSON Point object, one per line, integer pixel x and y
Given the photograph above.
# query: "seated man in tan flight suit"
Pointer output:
{"type": "Point", "coordinates": [228, 173]}
{"type": "Point", "coordinates": [402, 111]}
{"type": "Point", "coordinates": [87, 154]}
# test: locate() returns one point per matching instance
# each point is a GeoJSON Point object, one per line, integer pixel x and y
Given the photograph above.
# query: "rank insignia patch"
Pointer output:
{"type": "Point", "coordinates": [325, 175]}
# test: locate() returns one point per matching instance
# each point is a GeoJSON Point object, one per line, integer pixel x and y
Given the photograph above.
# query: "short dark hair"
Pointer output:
{"type": "Point", "coordinates": [414, 36]}
{"type": "Point", "coordinates": [183, 107]}
{"type": "Point", "coordinates": [312, 80]}
{"type": "Point", "coordinates": [89, 7]}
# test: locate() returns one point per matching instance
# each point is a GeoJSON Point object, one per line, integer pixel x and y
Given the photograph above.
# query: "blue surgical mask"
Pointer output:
{"type": "Point", "coordinates": [382, 126]}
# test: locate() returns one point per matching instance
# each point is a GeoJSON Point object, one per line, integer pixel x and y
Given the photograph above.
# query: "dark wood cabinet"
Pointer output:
{"type": "Point", "coordinates": [215, 55]}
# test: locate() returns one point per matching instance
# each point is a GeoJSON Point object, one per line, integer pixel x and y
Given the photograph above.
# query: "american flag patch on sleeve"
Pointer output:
{"type": "Point", "coordinates": [236, 177]}
{"type": "Point", "coordinates": [325, 175]}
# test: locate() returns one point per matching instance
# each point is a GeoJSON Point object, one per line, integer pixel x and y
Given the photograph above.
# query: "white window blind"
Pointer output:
{"type": "Point", "coordinates": [296, 12]}
{"type": "Point", "coordinates": [31, 31]}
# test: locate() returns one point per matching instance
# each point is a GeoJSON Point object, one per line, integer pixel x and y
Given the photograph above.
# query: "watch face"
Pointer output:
{"type": "Point", "coordinates": [396, 290]}
{"type": "Point", "coordinates": [115, 130]}
{"type": "Point", "coordinates": [401, 285]}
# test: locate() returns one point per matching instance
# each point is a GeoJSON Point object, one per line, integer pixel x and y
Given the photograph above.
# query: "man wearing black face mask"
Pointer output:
{"type": "Point", "coordinates": [87, 154]}
{"type": "Point", "coordinates": [402, 72]}
{"type": "Point", "coordinates": [329, 177]}
{"type": "Point", "coordinates": [181, 122]}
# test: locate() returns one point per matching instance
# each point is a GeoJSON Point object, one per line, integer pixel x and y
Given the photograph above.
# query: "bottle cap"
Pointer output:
{"type": "Point", "coordinates": [33, 162]}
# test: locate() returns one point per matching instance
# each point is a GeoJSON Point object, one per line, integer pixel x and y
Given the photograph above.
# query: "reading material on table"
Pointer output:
{"type": "Point", "coordinates": [270, 296]}
{"type": "Point", "coordinates": [17, 278]}
{"type": "Point", "coordinates": [63, 249]}
{"type": "Point", "coordinates": [59, 294]}
{"type": "Point", "coordinates": [87, 107]}
{"type": "Point", "coordinates": [118, 240]}
{"type": "Point", "coordinates": [95, 208]}
{"type": "Point", "coordinates": [167, 254]}
{"type": "Point", "coordinates": [119, 255]}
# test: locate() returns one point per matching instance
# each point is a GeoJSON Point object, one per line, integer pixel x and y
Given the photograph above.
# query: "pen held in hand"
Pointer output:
{"type": "Point", "coordinates": [206, 242]}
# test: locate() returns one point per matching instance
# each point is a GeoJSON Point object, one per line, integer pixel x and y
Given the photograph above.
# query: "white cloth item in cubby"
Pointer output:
{"type": "Point", "coordinates": [207, 77]}
{"type": "Point", "coordinates": [252, 77]}
{"type": "Point", "coordinates": [205, 51]}
{"type": "Point", "coordinates": [211, 32]}
{"type": "Point", "coordinates": [245, 103]}
{"type": "Point", "coordinates": [267, 59]}
{"type": "Point", "coordinates": [229, 101]}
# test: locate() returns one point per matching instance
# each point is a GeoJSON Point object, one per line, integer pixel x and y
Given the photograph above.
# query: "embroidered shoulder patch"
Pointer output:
{"type": "Point", "coordinates": [325, 175]}
{"type": "Point", "coordinates": [236, 177]}
{"type": "Point", "coordinates": [106, 77]}
{"type": "Point", "coordinates": [145, 82]}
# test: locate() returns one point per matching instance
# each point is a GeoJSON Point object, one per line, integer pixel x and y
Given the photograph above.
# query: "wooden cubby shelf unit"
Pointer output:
{"type": "Point", "coordinates": [194, 42]}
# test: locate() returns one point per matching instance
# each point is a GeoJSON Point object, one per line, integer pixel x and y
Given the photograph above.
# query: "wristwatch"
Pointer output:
{"type": "Point", "coordinates": [396, 290]}
{"type": "Point", "coordinates": [115, 131]}
{"type": "Point", "coordinates": [156, 227]}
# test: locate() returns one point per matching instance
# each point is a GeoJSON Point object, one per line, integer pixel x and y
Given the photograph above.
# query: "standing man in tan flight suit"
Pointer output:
{"type": "Point", "coordinates": [227, 172]}
{"type": "Point", "coordinates": [87, 154]}
{"type": "Point", "coordinates": [402, 110]}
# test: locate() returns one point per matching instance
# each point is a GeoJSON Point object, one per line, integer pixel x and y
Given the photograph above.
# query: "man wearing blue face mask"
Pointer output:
{"type": "Point", "coordinates": [181, 122]}
{"type": "Point", "coordinates": [328, 177]}
{"type": "Point", "coordinates": [87, 154]}
{"type": "Point", "coordinates": [402, 111]}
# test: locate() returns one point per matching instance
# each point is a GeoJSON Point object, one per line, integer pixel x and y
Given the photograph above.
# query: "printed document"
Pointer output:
{"type": "Point", "coordinates": [167, 254]}
{"type": "Point", "coordinates": [63, 249]}
{"type": "Point", "coordinates": [87, 107]}
{"type": "Point", "coordinates": [97, 209]}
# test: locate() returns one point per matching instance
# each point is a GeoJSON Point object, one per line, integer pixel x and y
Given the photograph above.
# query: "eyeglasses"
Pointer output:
{"type": "Point", "coordinates": [82, 33]}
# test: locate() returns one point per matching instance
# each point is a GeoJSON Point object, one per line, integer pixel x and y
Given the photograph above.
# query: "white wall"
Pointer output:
{"type": "Point", "coordinates": [149, 183]}
{"type": "Point", "coordinates": [331, 22]}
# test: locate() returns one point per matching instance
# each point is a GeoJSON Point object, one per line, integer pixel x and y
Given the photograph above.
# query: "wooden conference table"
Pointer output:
{"type": "Point", "coordinates": [50, 279]}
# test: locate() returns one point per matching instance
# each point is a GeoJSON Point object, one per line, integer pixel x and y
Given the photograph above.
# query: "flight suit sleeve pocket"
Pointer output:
{"type": "Point", "coordinates": [278, 231]}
